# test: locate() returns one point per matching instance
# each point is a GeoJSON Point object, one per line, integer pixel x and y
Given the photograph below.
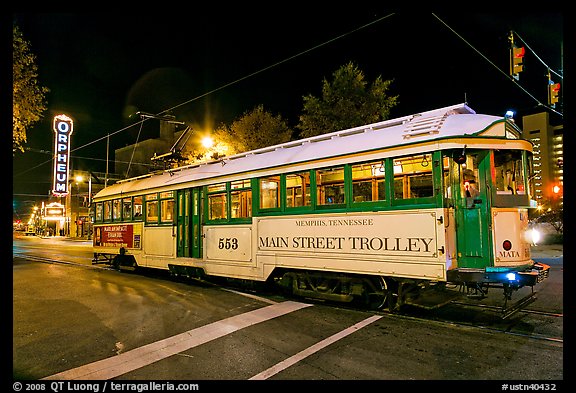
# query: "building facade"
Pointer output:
{"type": "Point", "coordinates": [548, 143]}
{"type": "Point", "coordinates": [136, 160]}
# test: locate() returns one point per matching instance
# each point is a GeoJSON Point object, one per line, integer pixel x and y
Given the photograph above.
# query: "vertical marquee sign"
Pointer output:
{"type": "Point", "coordinates": [63, 127]}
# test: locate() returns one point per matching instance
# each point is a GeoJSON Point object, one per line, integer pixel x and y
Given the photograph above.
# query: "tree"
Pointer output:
{"type": "Point", "coordinates": [348, 101]}
{"type": "Point", "coordinates": [253, 130]}
{"type": "Point", "coordinates": [202, 152]}
{"type": "Point", "coordinates": [28, 97]}
{"type": "Point", "coordinates": [554, 217]}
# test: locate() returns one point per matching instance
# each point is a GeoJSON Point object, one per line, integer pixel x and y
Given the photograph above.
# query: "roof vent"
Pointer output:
{"type": "Point", "coordinates": [421, 126]}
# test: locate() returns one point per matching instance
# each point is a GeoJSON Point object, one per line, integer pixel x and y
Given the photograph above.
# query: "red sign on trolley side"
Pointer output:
{"type": "Point", "coordinates": [116, 236]}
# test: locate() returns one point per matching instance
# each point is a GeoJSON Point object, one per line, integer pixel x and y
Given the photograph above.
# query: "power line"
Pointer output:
{"type": "Point", "coordinates": [534, 53]}
{"type": "Point", "coordinates": [220, 88]}
{"type": "Point", "coordinates": [495, 66]}
{"type": "Point", "coordinates": [278, 63]}
{"type": "Point", "coordinates": [51, 153]}
{"type": "Point", "coordinates": [245, 77]}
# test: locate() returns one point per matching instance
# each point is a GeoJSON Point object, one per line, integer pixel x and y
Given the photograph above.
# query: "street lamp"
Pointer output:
{"type": "Point", "coordinates": [80, 222]}
{"type": "Point", "coordinates": [207, 142]}
{"type": "Point", "coordinates": [80, 179]}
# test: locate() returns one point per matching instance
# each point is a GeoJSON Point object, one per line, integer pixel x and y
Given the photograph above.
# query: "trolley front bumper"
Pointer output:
{"type": "Point", "coordinates": [529, 277]}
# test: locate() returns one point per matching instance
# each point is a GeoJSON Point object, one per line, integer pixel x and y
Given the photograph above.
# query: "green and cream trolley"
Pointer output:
{"type": "Point", "coordinates": [377, 214]}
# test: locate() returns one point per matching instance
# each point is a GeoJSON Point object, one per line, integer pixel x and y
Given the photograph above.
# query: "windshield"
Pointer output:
{"type": "Point", "coordinates": [510, 172]}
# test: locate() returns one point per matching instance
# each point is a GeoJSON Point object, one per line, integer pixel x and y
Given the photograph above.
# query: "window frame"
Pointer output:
{"type": "Point", "coordinates": [139, 217]}
{"type": "Point", "coordinates": [435, 170]}
{"type": "Point", "coordinates": [150, 199]}
{"type": "Point", "coordinates": [166, 198]}
{"type": "Point", "coordinates": [225, 192]}
{"type": "Point", "coordinates": [244, 191]}
{"type": "Point", "coordinates": [122, 206]}
{"type": "Point", "coordinates": [372, 203]}
{"type": "Point", "coordinates": [278, 206]}
{"type": "Point", "coordinates": [312, 192]}
{"type": "Point", "coordinates": [345, 192]}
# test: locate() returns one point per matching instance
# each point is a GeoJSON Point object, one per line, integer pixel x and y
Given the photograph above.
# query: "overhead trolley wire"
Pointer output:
{"type": "Point", "coordinates": [534, 53]}
{"type": "Point", "coordinates": [495, 66]}
{"type": "Point", "coordinates": [224, 86]}
{"type": "Point", "coordinates": [277, 63]}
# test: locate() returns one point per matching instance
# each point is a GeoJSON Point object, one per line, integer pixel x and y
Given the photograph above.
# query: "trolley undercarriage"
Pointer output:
{"type": "Point", "coordinates": [376, 292]}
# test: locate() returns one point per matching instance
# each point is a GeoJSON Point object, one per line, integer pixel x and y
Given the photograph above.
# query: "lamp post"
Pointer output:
{"type": "Point", "coordinates": [80, 179]}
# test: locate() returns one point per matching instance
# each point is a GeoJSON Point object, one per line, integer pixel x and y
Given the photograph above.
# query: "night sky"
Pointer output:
{"type": "Point", "coordinates": [213, 66]}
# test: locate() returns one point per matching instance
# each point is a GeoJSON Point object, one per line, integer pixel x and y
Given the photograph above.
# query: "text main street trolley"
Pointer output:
{"type": "Point", "coordinates": [379, 214]}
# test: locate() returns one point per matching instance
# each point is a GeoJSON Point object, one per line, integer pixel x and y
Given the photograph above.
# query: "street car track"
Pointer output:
{"type": "Point", "coordinates": [526, 310]}
{"type": "Point", "coordinates": [35, 258]}
{"type": "Point", "coordinates": [504, 330]}
{"type": "Point", "coordinates": [433, 319]}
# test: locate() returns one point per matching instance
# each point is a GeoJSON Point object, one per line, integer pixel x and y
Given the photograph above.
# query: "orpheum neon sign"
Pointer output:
{"type": "Point", "coordinates": [63, 127]}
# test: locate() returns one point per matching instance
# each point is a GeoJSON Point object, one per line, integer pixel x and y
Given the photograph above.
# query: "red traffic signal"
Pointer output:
{"type": "Point", "coordinates": [553, 91]}
{"type": "Point", "coordinates": [516, 61]}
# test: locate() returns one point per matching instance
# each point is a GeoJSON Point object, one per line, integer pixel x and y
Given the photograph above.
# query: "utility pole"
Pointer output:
{"type": "Point", "coordinates": [107, 152]}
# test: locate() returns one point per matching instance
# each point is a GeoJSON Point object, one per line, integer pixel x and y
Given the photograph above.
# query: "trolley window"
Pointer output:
{"type": "Point", "coordinates": [270, 192]}
{"type": "Point", "coordinates": [298, 190]}
{"type": "Point", "coordinates": [116, 210]}
{"type": "Point", "coordinates": [330, 186]}
{"type": "Point", "coordinates": [98, 215]}
{"type": "Point", "coordinates": [107, 210]}
{"type": "Point", "coordinates": [368, 182]}
{"type": "Point", "coordinates": [217, 207]}
{"type": "Point", "coordinates": [241, 199]}
{"type": "Point", "coordinates": [137, 207]}
{"type": "Point", "coordinates": [167, 205]}
{"type": "Point", "coordinates": [413, 177]}
{"type": "Point", "coordinates": [127, 209]}
{"type": "Point", "coordinates": [471, 186]}
{"type": "Point", "coordinates": [509, 169]}
{"type": "Point", "coordinates": [152, 208]}
{"type": "Point", "coordinates": [448, 177]}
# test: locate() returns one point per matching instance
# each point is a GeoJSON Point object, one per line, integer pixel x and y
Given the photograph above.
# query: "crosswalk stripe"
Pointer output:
{"type": "Point", "coordinates": [313, 349]}
{"type": "Point", "coordinates": [150, 353]}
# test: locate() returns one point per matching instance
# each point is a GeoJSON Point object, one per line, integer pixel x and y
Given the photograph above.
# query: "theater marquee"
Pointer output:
{"type": "Point", "coordinates": [63, 127]}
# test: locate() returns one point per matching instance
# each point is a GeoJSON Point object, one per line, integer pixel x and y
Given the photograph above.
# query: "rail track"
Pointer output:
{"type": "Point", "coordinates": [494, 324]}
{"type": "Point", "coordinates": [496, 329]}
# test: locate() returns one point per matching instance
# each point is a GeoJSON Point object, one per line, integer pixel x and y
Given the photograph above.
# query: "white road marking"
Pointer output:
{"type": "Point", "coordinates": [248, 295]}
{"type": "Point", "coordinates": [313, 349]}
{"type": "Point", "coordinates": [148, 354]}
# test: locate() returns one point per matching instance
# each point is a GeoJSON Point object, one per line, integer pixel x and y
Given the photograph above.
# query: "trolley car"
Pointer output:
{"type": "Point", "coordinates": [383, 214]}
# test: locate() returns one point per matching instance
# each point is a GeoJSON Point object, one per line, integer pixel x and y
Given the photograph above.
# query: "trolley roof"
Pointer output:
{"type": "Point", "coordinates": [449, 122]}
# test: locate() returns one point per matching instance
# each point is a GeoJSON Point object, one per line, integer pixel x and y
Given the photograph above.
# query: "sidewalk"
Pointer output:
{"type": "Point", "coordinates": [70, 239]}
{"type": "Point", "coordinates": [548, 251]}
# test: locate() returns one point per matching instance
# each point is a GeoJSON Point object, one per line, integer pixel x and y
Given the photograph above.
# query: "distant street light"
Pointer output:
{"type": "Point", "coordinates": [80, 179]}
{"type": "Point", "coordinates": [207, 142]}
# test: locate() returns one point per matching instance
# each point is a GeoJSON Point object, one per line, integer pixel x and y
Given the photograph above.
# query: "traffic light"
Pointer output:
{"type": "Point", "coordinates": [553, 90]}
{"type": "Point", "coordinates": [516, 61]}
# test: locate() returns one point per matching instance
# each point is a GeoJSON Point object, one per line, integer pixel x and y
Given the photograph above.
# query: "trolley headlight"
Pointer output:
{"type": "Point", "coordinates": [532, 236]}
{"type": "Point", "coordinates": [511, 276]}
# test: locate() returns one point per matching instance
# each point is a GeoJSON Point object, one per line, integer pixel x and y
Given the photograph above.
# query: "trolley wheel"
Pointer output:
{"type": "Point", "coordinates": [377, 293]}
{"type": "Point", "coordinates": [116, 262]}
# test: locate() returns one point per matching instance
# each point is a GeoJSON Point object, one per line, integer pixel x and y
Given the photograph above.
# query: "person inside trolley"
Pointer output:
{"type": "Point", "coordinates": [471, 188]}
